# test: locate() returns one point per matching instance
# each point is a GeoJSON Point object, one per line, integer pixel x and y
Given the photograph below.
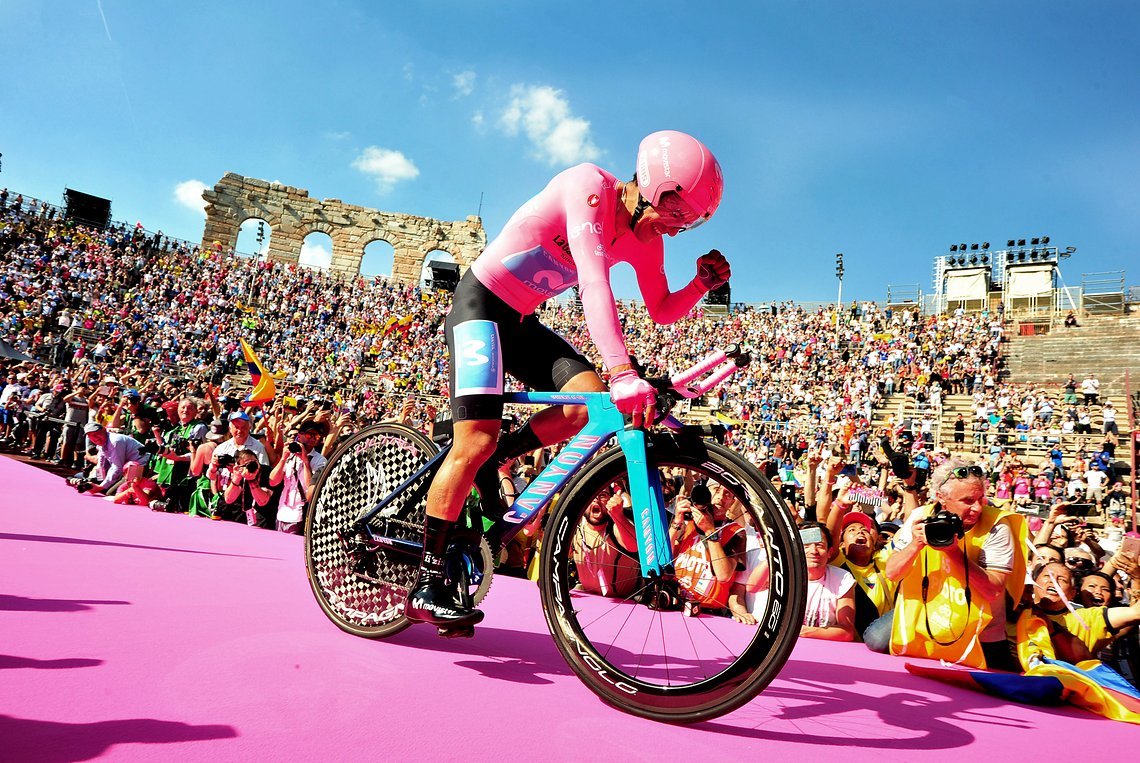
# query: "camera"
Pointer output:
{"type": "Point", "coordinates": [175, 444]}
{"type": "Point", "coordinates": [295, 447]}
{"type": "Point", "coordinates": [943, 528]}
{"type": "Point", "coordinates": [82, 486]}
{"type": "Point", "coordinates": [252, 467]}
{"type": "Point", "coordinates": [225, 461]}
{"type": "Point", "coordinates": [900, 464]}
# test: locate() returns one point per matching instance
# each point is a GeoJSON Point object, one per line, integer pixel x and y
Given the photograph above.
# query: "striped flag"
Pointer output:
{"type": "Point", "coordinates": [264, 389]}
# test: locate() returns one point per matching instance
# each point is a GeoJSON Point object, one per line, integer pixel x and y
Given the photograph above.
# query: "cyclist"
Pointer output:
{"type": "Point", "coordinates": [571, 233]}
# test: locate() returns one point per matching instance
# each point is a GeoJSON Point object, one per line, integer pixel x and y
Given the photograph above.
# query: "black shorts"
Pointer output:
{"type": "Point", "coordinates": [486, 337]}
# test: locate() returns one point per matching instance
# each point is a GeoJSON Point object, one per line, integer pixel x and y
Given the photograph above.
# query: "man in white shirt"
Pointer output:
{"type": "Point", "coordinates": [1090, 388]}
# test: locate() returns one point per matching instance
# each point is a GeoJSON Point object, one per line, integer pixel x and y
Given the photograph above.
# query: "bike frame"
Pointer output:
{"type": "Point", "coordinates": [604, 422]}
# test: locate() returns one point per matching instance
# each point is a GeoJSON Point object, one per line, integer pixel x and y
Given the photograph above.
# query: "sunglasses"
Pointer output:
{"type": "Point", "coordinates": [965, 472]}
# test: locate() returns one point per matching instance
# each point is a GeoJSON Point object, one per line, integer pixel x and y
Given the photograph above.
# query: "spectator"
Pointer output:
{"type": "Point", "coordinates": [245, 495]}
{"type": "Point", "coordinates": [830, 611]}
{"type": "Point", "coordinates": [118, 458]}
{"type": "Point", "coordinates": [952, 598]}
{"type": "Point", "coordinates": [1090, 388]}
{"type": "Point", "coordinates": [605, 548]}
{"type": "Point", "coordinates": [297, 471]}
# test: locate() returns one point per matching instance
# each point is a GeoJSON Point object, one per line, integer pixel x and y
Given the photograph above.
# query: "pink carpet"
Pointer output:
{"type": "Point", "coordinates": [138, 636]}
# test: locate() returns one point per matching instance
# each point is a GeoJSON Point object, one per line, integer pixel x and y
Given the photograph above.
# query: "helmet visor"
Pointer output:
{"type": "Point", "coordinates": [677, 213]}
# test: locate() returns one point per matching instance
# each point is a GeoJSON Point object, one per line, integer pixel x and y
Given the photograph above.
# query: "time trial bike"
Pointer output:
{"type": "Point", "coordinates": [639, 601]}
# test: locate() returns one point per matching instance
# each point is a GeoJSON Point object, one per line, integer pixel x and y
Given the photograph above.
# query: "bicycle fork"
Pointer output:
{"type": "Point", "coordinates": [650, 521]}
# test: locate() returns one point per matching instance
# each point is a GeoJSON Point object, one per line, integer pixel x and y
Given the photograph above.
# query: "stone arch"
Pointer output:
{"type": "Point", "coordinates": [293, 214]}
{"type": "Point", "coordinates": [381, 260]}
{"type": "Point", "coordinates": [250, 241]}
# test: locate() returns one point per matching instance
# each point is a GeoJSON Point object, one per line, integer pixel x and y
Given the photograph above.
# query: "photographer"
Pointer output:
{"type": "Point", "coordinates": [175, 449]}
{"type": "Point", "coordinates": [955, 560]}
{"type": "Point", "coordinates": [118, 458]}
{"type": "Point", "coordinates": [244, 494]}
{"type": "Point", "coordinates": [300, 463]}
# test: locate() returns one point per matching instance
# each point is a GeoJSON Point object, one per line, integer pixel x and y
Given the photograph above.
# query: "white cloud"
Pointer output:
{"type": "Point", "coordinates": [543, 115]}
{"type": "Point", "coordinates": [315, 255]}
{"type": "Point", "coordinates": [337, 135]}
{"type": "Point", "coordinates": [385, 166]}
{"type": "Point", "coordinates": [188, 193]}
{"type": "Point", "coordinates": [464, 83]}
{"type": "Point", "coordinates": [478, 120]}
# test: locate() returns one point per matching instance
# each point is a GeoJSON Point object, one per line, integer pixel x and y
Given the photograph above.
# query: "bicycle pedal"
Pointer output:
{"type": "Point", "coordinates": [462, 631]}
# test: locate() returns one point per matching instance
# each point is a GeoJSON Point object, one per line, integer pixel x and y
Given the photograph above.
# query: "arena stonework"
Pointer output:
{"type": "Point", "coordinates": [291, 215]}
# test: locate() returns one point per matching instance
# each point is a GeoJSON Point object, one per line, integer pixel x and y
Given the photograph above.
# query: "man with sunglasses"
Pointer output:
{"type": "Point", "coordinates": [951, 600]}
{"type": "Point", "coordinates": [571, 234]}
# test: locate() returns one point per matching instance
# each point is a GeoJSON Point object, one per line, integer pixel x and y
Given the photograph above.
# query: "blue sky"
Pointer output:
{"type": "Point", "coordinates": [885, 130]}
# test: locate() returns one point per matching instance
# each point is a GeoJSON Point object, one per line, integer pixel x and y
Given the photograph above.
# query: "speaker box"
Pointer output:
{"type": "Point", "coordinates": [86, 209]}
{"type": "Point", "coordinates": [444, 275]}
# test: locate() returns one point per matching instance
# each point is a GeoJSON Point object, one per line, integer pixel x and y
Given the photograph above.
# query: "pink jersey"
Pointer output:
{"type": "Point", "coordinates": [565, 236]}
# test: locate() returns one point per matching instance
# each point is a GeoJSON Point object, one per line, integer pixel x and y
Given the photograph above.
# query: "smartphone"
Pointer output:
{"type": "Point", "coordinates": [1078, 509]}
{"type": "Point", "coordinates": [810, 535]}
{"type": "Point", "coordinates": [1130, 546]}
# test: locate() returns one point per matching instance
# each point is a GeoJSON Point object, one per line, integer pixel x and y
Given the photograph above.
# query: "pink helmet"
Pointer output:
{"type": "Point", "coordinates": [673, 161]}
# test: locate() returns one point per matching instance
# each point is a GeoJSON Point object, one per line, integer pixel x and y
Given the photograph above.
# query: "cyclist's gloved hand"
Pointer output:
{"type": "Point", "coordinates": [633, 396]}
{"type": "Point", "coordinates": [713, 270]}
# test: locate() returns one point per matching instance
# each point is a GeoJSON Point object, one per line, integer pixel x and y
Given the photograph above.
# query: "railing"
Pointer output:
{"type": "Point", "coordinates": [1102, 292]}
{"type": "Point", "coordinates": [40, 208]}
{"type": "Point", "coordinates": [1133, 441]}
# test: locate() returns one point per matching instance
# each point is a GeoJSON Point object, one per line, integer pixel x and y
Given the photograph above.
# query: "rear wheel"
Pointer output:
{"type": "Point", "coordinates": [362, 591]}
{"type": "Point", "coordinates": [641, 645]}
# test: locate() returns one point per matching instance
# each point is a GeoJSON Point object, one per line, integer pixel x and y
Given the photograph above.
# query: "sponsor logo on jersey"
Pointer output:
{"type": "Point", "coordinates": [593, 200]}
{"type": "Point", "coordinates": [595, 228]}
{"type": "Point", "coordinates": [542, 271]}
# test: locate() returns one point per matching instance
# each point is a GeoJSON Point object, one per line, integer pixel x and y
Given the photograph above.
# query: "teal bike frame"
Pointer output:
{"type": "Point", "coordinates": [604, 422]}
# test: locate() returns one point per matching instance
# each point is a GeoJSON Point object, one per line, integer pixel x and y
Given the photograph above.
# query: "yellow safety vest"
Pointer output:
{"type": "Point", "coordinates": [955, 629]}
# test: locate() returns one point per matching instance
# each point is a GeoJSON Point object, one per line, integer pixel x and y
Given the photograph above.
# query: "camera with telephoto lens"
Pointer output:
{"type": "Point", "coordinates": [225, 461]}
{"type": "Point", "coordinates": [943, 528]}
{"type": "Point", "coordinates": [175, 444]}
{"type": "Point", "coordinates": [900, 464]}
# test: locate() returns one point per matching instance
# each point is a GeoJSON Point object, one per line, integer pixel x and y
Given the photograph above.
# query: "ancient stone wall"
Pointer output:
{"type": "Point", "coordinates": [292, 215]}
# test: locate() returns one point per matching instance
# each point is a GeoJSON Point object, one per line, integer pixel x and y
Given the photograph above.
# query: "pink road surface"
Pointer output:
{"type": "Point", "coordinates": [132, 635]}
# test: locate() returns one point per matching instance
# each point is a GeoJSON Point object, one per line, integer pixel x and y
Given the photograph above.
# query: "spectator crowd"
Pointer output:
{"type": "Point", "coordinates": [135, 345]}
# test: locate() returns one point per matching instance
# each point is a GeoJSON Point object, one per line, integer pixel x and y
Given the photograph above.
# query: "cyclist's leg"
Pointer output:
{"type": "Point", "coordinates": [475, 344]}
{"type": "Point", "coordinates": [544, 360]}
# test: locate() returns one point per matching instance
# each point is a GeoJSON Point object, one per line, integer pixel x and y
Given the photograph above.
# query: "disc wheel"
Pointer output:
{"type": "Point", "coordinates": [364, 592]}
{"type": "Point", "coordinates": [668, 662]}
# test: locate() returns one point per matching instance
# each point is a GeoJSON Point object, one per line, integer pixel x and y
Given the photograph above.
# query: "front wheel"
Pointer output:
{"type": "Point", "coordinates": [670, 649]}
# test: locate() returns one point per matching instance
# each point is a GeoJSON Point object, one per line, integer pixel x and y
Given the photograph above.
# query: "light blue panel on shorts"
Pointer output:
{"type": "Point", "coordinates": [478, 359]}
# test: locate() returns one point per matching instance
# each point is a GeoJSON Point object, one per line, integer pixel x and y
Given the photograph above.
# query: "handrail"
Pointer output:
{"type": "Point", "coordinates": [1133, 434]}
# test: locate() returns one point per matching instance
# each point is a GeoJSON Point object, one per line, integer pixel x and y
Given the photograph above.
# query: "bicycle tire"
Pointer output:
{"type": "Point", "coordinates": [365, 468]}
{"type": "Point", "coordinates": [743, 676]}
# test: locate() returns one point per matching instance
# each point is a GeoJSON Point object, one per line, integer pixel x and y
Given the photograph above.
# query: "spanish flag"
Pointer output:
{"type": "Point", "coordinates": [264, 389]}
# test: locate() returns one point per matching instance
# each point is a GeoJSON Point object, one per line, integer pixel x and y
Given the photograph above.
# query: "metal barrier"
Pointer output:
{"type": "Point", "coordinates": [1103, 293]}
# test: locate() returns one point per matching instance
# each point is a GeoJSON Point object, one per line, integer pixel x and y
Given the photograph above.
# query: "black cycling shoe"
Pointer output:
{"type": "Point", "coordinates": [460, 631]}
{"type": "Point", "coordinates": [433, 601]}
